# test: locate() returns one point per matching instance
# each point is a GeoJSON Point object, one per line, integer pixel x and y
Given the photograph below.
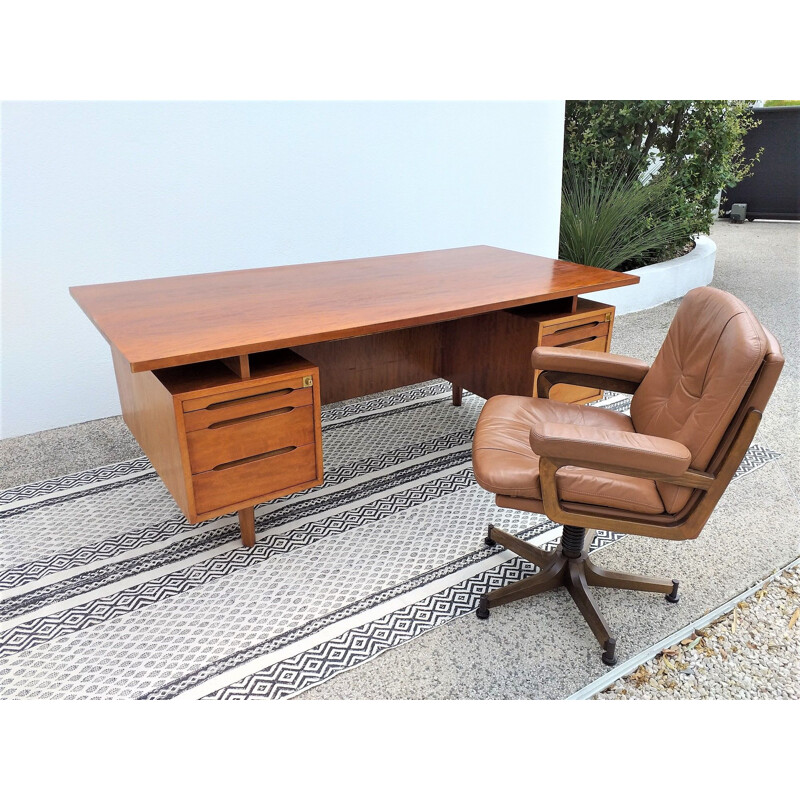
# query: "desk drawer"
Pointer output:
{"type": "Point", "coordinates": [233, 440]}
{"type": "Point", "coordinates": [206, 411]}
{"type": "Point", "coordinates": [576, 334]}
{"type": "Point", "coordinates": [567, 393]}
{"type": "Point", "coordinates": [254, 477]}
{"type": "Point", "coordinates": [598, 345]}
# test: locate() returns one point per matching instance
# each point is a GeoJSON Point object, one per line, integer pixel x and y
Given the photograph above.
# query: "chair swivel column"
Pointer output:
{"type": "Point", "coordinates": [572, 540]}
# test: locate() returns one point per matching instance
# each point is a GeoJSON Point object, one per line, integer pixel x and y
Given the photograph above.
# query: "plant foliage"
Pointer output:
{"type": "Point", "coordinates": [609, 218]}
{"type": "Point", "coordinates": [696, 144]}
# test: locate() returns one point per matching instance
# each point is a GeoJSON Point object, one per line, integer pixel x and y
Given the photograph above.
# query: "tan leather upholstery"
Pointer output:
{"type": "Point", "coordinates": [716, 356]}
{"type": "Point", "coordinates": [589, 362]}
{"type": "Point", "coordinates": [505, 464]}
{"type": "Point", "coordinates": [712, 352]}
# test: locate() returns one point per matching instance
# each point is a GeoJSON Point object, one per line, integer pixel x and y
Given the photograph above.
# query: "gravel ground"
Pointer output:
{"type": "Point", "coordinates": [751, 653]}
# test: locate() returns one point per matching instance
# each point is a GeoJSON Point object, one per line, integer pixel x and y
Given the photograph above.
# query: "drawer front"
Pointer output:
{"type": "Point", "coordinates": [233, 440]}
{"type": "Point", "coordinates": [574, 394]}
{"type": "Point", "coordinates": [598, 345]}
{"type": "Point", "coordinates": [567, 393]}
{"type": "Point", "coordinates": [574, 334]}
{"type": "Point", "coordinates": [290, 382]}
{"type": "Point", "coordinates": [600, 316]}
{"type": "Point", "coordinates": [222, 408]}
{"type": "Point", "coordinates": [255, 477]}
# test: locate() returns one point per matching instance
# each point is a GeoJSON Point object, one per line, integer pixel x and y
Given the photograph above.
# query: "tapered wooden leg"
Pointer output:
{"type": "Point", "coordinates": [456, 395]}
{"type": "Point", "coordinates": [247, 523]}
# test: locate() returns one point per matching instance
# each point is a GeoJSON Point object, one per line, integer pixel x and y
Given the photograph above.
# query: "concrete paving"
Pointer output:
{"type": "Point", "coordinates": [541, 647]}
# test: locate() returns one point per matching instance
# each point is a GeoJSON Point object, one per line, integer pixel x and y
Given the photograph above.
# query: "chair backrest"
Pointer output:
{"type": "Point", "coordinates": [716, 355]}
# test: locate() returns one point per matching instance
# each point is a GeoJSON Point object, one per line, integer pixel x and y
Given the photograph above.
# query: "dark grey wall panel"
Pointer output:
{"type": "Point", "coordinates": [773, 190]}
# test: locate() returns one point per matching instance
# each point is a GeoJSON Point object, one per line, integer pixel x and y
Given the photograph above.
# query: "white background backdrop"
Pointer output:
{"type": "Point", "coordinates": [99, 192]}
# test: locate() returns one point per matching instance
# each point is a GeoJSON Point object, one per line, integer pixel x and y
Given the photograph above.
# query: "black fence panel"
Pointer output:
{"type": "Point", "coordinates": [773, 190]}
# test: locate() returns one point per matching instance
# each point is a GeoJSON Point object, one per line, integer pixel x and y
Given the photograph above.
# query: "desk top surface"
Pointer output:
{"type": "Point", "coordinates": [162, 322]}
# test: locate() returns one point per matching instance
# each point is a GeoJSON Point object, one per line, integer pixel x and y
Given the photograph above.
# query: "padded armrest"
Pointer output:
{"type": "Point", "coordinates": [610, 448]}
{"type": "Point", "coordinates": [589, 362]}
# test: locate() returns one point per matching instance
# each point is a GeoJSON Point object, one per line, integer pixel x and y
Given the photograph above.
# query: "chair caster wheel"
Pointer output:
{"type": "Point", "coordinates": [672, 597]}
{"type": "Point", "coordinates": [482, 611]}
{"type": "Point", "coordinates": [608, 657]}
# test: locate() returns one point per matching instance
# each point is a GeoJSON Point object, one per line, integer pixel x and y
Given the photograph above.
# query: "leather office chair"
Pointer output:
{"type": "Point", "coordinates": [658, 472]}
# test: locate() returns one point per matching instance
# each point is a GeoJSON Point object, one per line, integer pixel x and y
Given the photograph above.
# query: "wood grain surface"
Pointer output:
{"type": "Point", "coordinates": [164, 322]}
{"type": "Point", "coordinates": [490, 354]}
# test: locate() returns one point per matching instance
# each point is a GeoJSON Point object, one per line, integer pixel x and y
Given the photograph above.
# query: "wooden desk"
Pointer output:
{"type": "Point", "coordinates": [211, 367]}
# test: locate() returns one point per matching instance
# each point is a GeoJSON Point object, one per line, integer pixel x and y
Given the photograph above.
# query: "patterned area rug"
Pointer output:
{"type": "Point", "coordinates": [107, 591]}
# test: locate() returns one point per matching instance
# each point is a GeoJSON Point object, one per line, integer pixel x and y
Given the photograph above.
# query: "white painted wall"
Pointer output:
{"type": "Point", "coordinates": [98, 192]}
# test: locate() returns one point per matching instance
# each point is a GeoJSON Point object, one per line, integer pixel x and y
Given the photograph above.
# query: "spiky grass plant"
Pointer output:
{"type": "Point", "coordinates": [610, 219]}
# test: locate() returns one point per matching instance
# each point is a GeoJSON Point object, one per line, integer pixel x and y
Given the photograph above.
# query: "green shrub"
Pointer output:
{"type": "Point", "coordinates": [699, 144]}
{"type": "Point", "coordinates": [610, 219]}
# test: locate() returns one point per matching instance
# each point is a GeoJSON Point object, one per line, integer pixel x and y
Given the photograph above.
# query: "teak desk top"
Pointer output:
{"type": "Point", "coordinates": [164, 322]}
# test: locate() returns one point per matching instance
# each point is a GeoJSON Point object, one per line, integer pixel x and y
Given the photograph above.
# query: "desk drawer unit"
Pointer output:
{"type": "Point", "coordinates": [223, 444]}
{"type": "Point", "coordinates": [261, 452]}
{"type": "Point", "coordinates": [248, 443]}
{"type": "Point", "coordinates": [588, 329]}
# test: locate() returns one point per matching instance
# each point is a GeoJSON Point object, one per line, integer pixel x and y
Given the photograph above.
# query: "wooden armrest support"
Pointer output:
{"type": "Point", "coordinates": [689, 530]}
{"type": "Point", "coordinates": [550, 378]}
{"type": "Point", "coordinates": [587, 368]}
{"type": "Point", "coordinates": [713, 484]}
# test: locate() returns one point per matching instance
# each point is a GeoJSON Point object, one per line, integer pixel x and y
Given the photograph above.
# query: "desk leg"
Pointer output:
{"type": "Point", "coordinates": [456, 395]}
{"type": "Point", "coordinates": [247, 523]}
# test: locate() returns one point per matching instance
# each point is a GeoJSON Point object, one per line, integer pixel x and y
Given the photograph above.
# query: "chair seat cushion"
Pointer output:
{"type": "Point", "coordinates": [505, 464]}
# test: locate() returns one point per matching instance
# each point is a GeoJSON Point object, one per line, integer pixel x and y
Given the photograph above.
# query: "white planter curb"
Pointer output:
{"type": "Point", "coordinates": [659, 283]}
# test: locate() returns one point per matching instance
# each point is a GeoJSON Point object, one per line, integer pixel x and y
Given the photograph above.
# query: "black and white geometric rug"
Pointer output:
{"type": "Point", "coordinates": [107, 592]}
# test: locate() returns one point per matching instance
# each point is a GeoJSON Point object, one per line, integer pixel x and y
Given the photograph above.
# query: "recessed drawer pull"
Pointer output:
{"type": "Point", "coordinates": [236, 420]}
{"type": "Point", "coordinates": [579, 326]}
{"type": "Point", "coordinates": [244, 438]}
{"type": "Point", "coordinates": [576, 333]}
{"type": "Point", "coordinates": [579, 342]}
{"type": "Point", "coordinates": [259, 457]}
{"type": "Point", "coordinates": [248, 399]}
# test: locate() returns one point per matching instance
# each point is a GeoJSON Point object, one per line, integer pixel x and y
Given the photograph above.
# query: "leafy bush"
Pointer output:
{"type": "Point", "coordinates": [609, 218]}
{"type": "Point", "coordinates": [696, 144]}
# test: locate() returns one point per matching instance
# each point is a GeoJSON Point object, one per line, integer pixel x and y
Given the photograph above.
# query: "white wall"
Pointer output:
{"type": "Point", "coordinates": [98, 192]}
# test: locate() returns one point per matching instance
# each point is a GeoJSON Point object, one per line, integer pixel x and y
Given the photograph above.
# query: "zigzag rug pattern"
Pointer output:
{"type": "Point", "coordinates": [97, 551]}
{"type": "Point", "coordinates": [88, 477]}
{"type": "Point", "coordinates": [293, 675]}
{"type": "Point", "coordinates": [46, 628]}
{"type": "Point", "coordinates": [109, 593]}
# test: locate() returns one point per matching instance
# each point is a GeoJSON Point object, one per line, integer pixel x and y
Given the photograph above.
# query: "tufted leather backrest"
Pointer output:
{"type": "Point", "coordinates": [713, 350]}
